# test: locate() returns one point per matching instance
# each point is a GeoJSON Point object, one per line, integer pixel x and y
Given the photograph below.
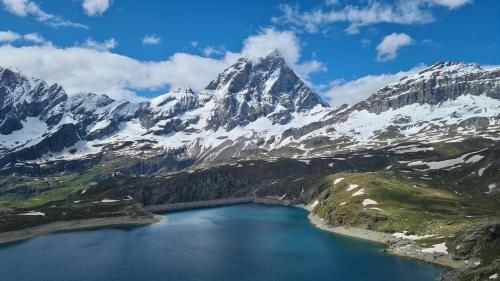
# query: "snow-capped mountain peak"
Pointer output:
{"type": "Point", "coordinates": [266, 86]}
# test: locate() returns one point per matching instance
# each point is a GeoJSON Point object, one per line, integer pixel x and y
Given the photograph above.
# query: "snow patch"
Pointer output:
{"type": "Point", "coordinates": [359, 192]}
{"type": "Point", "coordinates": [32, 213]}
{"type": "Point", "coordinates": [410, 149]}
{"type": "Point", "coordinates": [336, 181]}
{"type": "Point", "coordinates": [437, 248]}
{"type": "Point", "coordinates": [491, 187]}
{"type": "Point", "coordinates": [109, 200]}
{"type": "Point", "coordinates": [449, 163]}
{"type": "Point", "coordinates": [314, 204]}
{"type": "Point", "coordinates": [481, 171]}
{"type": "Point", "coordinates": [352, 186]}
{"type": "Point", "coordinates": [404, 235]}
{"type": "Point", "coordinates": [367, 202]}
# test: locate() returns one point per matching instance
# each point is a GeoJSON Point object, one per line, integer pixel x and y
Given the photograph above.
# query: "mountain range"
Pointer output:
{"type": "Point", "coordinates": [256, 108]}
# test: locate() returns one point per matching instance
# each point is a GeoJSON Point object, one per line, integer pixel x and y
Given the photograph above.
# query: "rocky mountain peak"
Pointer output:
{"type": "Point", "coordinates": [22, 97]}
{"type": "Point", "coordinates": [180, 93]}
{"type": "Point", "coordinates": [443, 67]}
{"type": "Point", "coordinates": [266, 86]}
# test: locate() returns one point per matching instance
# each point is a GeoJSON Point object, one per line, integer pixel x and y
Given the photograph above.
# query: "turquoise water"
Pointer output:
{"type": "Point", "coordinates": [237, 243]}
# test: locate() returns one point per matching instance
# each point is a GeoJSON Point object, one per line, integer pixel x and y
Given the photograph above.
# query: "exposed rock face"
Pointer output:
{"type": "Point", "coordinates": [232, 181]}
{"type": "Point", "coordinates": [175, 103]}
{"type": "Point", "coordinates": [251, 89]}
{"type": "Point", "coordinates": [21, 97]}
{"type": "Point", "coordinates": [440, 82]}
{"type": "Point", "coordinates": [65, 136]}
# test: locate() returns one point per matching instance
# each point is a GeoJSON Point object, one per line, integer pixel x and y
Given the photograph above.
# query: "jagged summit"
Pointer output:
{"type": "Point", "coordinates": [449, 67]}
{"type": "Point", "coordinates": [22, 97]}
{"type": "Point", "coordinates": [250, 89]}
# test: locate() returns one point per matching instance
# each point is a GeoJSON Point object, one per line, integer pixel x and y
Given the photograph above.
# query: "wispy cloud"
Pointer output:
{"type": "Point", "coordinates": [105, 45]}
{"type": "Point", "coordinates": [364, 14]}
{"type": "Point", "coordinates": [211, 51]}
{"type": "Point", "coordinates": [151, 40]}
{"type": "Point", "coordinates": [24, 8]}
{"type": "Point", "coordinates": [35, 38]}
{"type": "Point", "coordinates": [10, 37]}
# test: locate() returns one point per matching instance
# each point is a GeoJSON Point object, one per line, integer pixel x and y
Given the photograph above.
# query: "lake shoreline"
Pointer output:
{"type": "Point", "coordinates": [15, 236]}
{"type": "Point", "coordinates": [73, 225]}
{"type": "Point", "coordinates": [409, 250]}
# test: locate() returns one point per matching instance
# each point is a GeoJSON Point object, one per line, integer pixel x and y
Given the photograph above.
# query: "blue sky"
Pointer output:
{"type": "Point", "coordinates": [344, 49]}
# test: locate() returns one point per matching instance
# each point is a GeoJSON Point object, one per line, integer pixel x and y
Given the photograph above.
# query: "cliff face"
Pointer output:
{"type": "Point", "coordinates": [289, 177]}
{"type": "Point", "coordinates": [440, 82]}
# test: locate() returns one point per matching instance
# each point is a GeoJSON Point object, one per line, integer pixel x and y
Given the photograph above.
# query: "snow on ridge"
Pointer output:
{"type": "Point", "coordinates": [449, 163]}
{"type": "Point", "coordinates": [33, 129]}
{"type": "Point", "coordinates": [410, 149]}
{"type": "Point", "coordinates": [361, 126]}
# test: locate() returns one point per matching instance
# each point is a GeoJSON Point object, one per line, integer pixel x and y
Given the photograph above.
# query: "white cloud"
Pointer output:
{"type": "Point", "coordinates": [331, 2]}
{"type": "Point", "coordinates": [388, 48]}
{"type": "Point", "coordinates": [95, 7]}
{"type": "Point", "coordinates": [151, 40]}
{"type": "Point", "coordinates": [35, 38]}
{"type": "Point", "coordinates": [450, 4]}
{"type": "Point", "coordinates": [366, 42]}
{"type": "Point", "coordinates": [268, 40]}
{"type": "Point", "coordinates": [96, 69]}
{"type": "Point", "coordinates": [352, 92]}
{"type": "Point", "coordinates": [210, 51]}
{"type": "Point", "coordinates": [364, 14]}
{"type": "Point", "coordinates": [80, 69]}
{"type": "Point", "coordinates": [287, 43]}
{"type": "Point", "coordinates": [106, 45]}
{"type": "Point", "coordinates": [305, 69]}
{"type": "Point", "coordinates": [9, 36]}
{"type": "Point", "coordinates": [23, 8]}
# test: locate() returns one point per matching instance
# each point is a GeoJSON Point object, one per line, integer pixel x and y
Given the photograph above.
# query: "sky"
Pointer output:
{"type": "Point", "coordinates": [345, 50]}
